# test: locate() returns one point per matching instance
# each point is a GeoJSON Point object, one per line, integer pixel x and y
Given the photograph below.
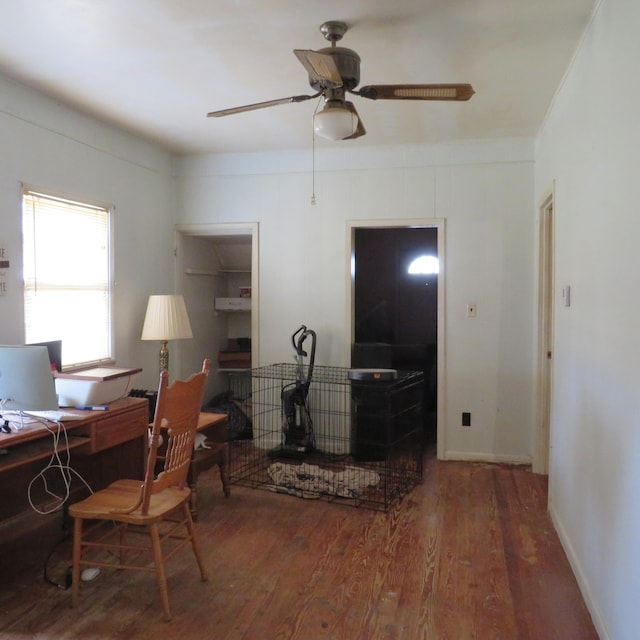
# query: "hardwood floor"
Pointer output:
{"type": "Point", "coordinates": [468, 554]}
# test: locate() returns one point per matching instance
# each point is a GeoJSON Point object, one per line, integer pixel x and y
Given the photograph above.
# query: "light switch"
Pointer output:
{"type": "Point", "coordinates": [566, 295]}
{"type": "Point", "coordinates": [471, 310]}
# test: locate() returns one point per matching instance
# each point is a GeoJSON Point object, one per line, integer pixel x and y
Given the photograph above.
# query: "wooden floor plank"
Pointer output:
{"type": "Point", "coordinates": [470, 553]}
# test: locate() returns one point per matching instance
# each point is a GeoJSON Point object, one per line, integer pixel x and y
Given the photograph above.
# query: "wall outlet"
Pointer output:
{"type": "Point", "coordinates": [466, 419]}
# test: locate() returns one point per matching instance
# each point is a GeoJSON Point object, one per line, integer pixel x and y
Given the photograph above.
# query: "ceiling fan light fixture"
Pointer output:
{"type": "Point", "coordinates": [335, 122]}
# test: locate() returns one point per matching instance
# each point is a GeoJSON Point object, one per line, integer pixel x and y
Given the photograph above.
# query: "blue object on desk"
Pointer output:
{"type": "Point", "coordinates": [93, 407]}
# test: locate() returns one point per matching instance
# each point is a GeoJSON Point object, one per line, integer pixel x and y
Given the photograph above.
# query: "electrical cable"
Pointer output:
{"type": "Point", "coordinates": [55, 462]}
{"type": "Point", "coordinates": [66, 472]}
{"type": "Point", "coordinates": [61, 462]}
{"type": "Point", "coordinates": [45, 573]}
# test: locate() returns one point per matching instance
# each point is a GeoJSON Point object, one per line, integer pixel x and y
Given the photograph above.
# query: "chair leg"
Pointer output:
{"type": "Point", "coordinates": [160, 573]}
{"type": "Point", "coordinates": [76, 557]}
{"type": "Point", "coordinates": [194, 542]}
{"type": "Point", "coordinates": [193, 500]}
{"type": "Point", "coordinates": [122, 533]}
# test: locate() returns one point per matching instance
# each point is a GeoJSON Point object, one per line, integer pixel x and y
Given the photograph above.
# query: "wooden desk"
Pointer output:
{"type": "Point", "coordinates": [105, 446]}
{"type": "Point", "coordinates": [214, 427]}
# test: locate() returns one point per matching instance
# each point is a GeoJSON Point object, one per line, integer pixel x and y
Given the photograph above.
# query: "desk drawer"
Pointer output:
{"type": "Point", "coordinates": [110, 431]}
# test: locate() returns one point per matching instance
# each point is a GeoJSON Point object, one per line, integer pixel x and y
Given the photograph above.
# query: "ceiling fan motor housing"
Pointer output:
{"type": "Point", "coordinates": [348, 63]}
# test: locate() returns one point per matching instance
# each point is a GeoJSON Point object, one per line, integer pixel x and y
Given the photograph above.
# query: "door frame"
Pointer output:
{"type": "Point", "coordinates": [228, 229]}
{"type": "Point", "coordinates": [409, 223]}
{"type": "Point", "coordinates": [542, 441]}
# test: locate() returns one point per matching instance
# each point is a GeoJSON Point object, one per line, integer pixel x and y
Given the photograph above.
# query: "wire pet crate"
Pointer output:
{"type": "Point", "coordinates": [364, 443]}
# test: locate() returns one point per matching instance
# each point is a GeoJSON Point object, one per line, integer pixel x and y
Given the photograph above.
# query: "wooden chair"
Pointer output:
{"type": "Point", "coordinates": [152, 505]}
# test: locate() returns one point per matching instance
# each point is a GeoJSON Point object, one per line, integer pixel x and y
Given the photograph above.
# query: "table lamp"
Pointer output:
{"type": "Point", "coordinates": [166, 319]}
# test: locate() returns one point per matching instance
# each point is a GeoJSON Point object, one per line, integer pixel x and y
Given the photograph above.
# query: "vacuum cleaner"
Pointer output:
{"type": "Point", "coordinates": [297, 425]}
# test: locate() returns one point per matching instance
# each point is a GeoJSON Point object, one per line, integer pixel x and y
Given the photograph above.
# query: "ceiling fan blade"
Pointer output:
{"type": "Point", "coordinates": [416, 92]}
{"type": "Point", "coordinates": [320, 66]}
{"type": "Point", "coordinates": [259, 105]}
{"type": "Point", "coordinates": [360, 131]}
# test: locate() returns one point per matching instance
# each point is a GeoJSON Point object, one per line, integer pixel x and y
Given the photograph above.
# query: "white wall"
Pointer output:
{"type": "Point", "coordinates": [589, 146]}
{"type": "Point", "coordinates": [484, 192]}
{"type": "Point", "coordinates": [53, 147]}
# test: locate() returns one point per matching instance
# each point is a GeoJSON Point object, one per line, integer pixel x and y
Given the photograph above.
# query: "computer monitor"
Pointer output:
{"type": "Point", "coordinates": [55, 352]}
{"type": "Point", "coordinates": [26, 380]}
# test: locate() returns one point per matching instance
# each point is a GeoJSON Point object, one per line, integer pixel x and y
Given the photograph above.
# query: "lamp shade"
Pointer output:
{"type": "Point", "coordinates": [335, 122]}
{"type": "Point", "coordinates": [166, 319]}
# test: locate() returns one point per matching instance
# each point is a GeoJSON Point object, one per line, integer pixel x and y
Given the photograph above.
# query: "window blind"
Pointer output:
{"type": "Point", "coordinates": [67, 291]}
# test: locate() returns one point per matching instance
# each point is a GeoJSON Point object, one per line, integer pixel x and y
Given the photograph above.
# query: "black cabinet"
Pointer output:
{"type": "Point", "coordinates": [385, 413]}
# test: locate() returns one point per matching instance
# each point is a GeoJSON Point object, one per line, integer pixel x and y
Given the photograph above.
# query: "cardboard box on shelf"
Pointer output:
{"type": "Point", "coordinates": [229, 356]}
{"type": "Point", "coordinates": [238, 344]}
{"type": "Point", "coordinates": [235, 365]}
{"type": "Point", "coordinates": [234, 359]}
{"type": "Point", "coordinates": [233, 304]}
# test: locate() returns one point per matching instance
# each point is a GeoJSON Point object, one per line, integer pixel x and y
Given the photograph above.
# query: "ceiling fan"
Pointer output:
{"type": "Point", "coordinates": [335, 71]}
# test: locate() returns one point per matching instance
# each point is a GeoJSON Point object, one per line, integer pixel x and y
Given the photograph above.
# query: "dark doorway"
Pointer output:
{"type": "Point", "coordinates": [396, 312]}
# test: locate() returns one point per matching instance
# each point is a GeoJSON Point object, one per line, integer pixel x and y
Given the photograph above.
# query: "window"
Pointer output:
{"type": "Point", "coordinates": [424, 265]}
{"type": "Point", "coordinates": [67, 283]}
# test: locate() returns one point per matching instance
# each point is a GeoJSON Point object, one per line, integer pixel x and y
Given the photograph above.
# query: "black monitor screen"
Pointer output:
{"type": "Point", "coordinates": [55, 352]}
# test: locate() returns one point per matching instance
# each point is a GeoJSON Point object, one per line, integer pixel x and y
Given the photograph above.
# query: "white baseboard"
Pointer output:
{"type": "Point", "coordinates": [494, 458]}
{"type": "Point", "coordinates": [589, 601]}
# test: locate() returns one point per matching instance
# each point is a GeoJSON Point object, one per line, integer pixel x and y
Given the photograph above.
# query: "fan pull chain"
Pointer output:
{"type": "Point", "coordinates": [313, 155]}
{"type": "Point", "coordinates": [313, 168]}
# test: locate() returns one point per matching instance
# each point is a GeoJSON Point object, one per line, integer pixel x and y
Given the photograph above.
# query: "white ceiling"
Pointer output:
{"type": "Point", "coordinates": [156, 67]}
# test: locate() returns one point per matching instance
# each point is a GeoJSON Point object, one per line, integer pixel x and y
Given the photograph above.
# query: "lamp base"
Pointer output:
{"type": "Point", "coordinates": [164, 357]}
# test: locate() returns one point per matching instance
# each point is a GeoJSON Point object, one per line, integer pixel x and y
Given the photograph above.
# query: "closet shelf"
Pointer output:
{"type": "Point", "coordinates": [200, 272]}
